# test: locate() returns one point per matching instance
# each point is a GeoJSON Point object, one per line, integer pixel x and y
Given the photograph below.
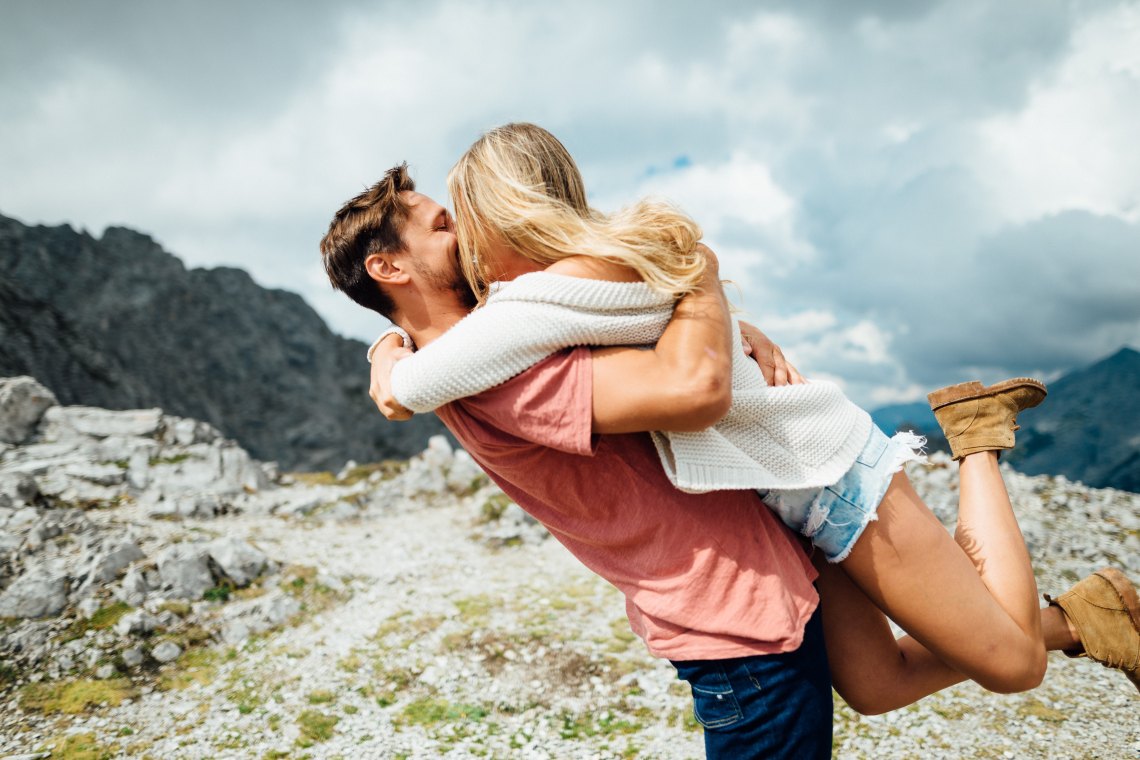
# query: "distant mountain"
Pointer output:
{"type": "Point", "coordinates": [118, 322]}
{"type": "Point", "coordinates": [1088, 429]}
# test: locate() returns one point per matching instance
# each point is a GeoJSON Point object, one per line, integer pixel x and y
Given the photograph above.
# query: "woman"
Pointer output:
{"type": "Point", "coordinates": [969, 603]}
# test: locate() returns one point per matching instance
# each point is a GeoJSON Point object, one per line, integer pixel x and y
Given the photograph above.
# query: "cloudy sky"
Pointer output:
{"type": "Point", "coordinates": [907, 193]}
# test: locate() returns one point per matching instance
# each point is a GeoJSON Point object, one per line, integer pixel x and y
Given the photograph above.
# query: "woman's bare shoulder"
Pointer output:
{"type": "Point", "coordinates": [591, 268]}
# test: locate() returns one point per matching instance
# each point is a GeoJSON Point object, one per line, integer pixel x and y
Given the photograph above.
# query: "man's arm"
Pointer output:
{"type": "Point", "coordinates": [684, 383]}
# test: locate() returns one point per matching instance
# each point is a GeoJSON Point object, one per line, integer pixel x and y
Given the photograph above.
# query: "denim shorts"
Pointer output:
{"type": "Point", "coordinates": [834, 517]}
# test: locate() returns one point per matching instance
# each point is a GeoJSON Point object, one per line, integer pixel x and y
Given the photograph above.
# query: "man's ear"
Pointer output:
{"type": "Point", "coordinates": [386, 269]}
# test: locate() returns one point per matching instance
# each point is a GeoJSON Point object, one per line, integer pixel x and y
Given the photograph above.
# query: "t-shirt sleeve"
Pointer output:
{"type": "Point", "coordinates": [550, 404]}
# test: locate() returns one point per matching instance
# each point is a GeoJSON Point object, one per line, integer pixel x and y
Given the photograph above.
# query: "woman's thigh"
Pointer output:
{"type": "Point", "coordinates": [912, 569]}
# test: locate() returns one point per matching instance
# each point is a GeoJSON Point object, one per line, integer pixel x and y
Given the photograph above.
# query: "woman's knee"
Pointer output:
{"type": "Point", "coordinates": [1020, 671]}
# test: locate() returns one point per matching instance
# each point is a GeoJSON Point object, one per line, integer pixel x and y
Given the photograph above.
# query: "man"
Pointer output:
{"type": "Point", "coordinates": [713, 582]}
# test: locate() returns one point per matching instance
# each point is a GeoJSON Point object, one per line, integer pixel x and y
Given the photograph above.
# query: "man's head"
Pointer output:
{"type": "Point", "coordinates": [390, 244]}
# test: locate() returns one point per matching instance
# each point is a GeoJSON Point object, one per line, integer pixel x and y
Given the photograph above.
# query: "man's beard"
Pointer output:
{"type": "Point", "coordinates": [444, 279]}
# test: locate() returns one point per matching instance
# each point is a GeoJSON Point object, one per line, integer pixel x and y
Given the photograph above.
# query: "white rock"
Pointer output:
{"type": "Point", "coordinates": [107, 564]}
{"type": "Point", "coordinates": [23, 401]}
{"type": "Point", "coordinates": [166, 651]}
{"type": "Point", "coordinates": [40, 592]}
{"type": "Point", "coordinates": [136, 622]}
{"type": "Point", "coordinates": [133, 656]}
{"type": "Point", "coordinates": [87, 607]}
{"type": "Point", "coordinates": [184, 571]}
{"type": "Point", "coordinates": [240, 561]}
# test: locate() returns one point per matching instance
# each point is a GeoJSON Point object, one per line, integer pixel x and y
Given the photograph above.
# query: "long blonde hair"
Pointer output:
{"type": "Point", "coordinates": [518, 184]}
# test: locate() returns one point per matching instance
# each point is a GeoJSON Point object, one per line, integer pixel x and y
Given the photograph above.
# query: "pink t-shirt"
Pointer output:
{"type": "Point", "coordinates": [705, 576]}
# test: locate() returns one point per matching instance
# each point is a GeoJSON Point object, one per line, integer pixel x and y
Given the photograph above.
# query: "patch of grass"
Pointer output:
{"type": "Point", "coordinates": [390, 683]}
{"type": "Point", "coordinates": [1037, 709]}
{"type": "Point", "coordinates": [219, 593]}
{"type": "Point", "coordinates": [393, 624]}
{"type": "Point", "coordinates": [589, 724]}
{"type": "Point", "coordinates": [429, 711]}
{"type": "Point", "coordinates": [315, 727]}
{"type": "Point", "coordinates": [623, 635]}
{"type": "Point", "coordinates": [475, 610]}
{"type": "Point", "coordinates": [73, 697]}
{"type": "Point", "coordinates": [194, 666]}
{"type": "Point", "coordinates": [80, 747]}
{"type": "Point", "coordinates": [301, 583]}
{"type": "Point", "coordinates": [494, 507]}
{"type": "Point", "coordinates": [177, 606]}
{"type": "Point", "coordinates": [8, 674]}
{"type": "Point", "coordinates": [320, 697]}
{"type": "Point", "coordinates": [388, 469]}
{"type": "Point", "coordinates": [106, 617]}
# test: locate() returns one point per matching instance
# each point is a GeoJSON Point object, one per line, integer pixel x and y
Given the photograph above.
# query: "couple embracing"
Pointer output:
{"type": "Point", "coordinates": [759, 526]}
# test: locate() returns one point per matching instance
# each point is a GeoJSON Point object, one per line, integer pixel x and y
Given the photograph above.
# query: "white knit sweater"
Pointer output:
{"type": "Point", "coordinates": [793, 436]}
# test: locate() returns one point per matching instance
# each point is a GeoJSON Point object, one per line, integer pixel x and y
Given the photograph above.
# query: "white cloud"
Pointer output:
{"type": "Point", "coordinates": [1073, 146]}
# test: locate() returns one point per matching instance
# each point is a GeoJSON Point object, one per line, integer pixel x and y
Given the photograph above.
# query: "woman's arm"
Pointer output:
{"type": "Point", "coordinates": [520, 326]}
{"type": "Point", "coordinates": [684, 383]}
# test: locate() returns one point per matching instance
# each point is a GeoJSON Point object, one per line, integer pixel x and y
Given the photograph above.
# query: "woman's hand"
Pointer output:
{"type": "Point", "coordinates": [776, 369]}
{"type": "Point", "coordinates": [390, 351]}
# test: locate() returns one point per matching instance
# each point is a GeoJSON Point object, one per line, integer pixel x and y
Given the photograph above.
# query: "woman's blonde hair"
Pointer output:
{"type": "Point", "coordinates": [518, 184]}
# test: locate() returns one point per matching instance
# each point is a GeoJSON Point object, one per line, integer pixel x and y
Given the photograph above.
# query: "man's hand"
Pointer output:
{"type": "Point", "coordinates": [776, 369]}
{"type": "Point", "coordinates": [390, 351]}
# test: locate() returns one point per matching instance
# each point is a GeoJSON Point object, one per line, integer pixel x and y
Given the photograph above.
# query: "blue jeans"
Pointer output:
{"type": "Point", "coordinates": [766, 706]}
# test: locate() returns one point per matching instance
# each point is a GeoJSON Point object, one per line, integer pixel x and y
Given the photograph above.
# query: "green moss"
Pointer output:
{"type": "Point", "coordinates": [76, 696]}
{"type": "Point", "coordinates": [315, 727]}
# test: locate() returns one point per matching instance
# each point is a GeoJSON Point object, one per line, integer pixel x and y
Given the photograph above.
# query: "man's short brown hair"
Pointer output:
{"type": "Point", "coordinates": [369, 223]}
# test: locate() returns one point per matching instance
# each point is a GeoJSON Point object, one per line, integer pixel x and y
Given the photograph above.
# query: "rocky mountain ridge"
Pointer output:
{"type": "Point", "coordinates": [118, 322]}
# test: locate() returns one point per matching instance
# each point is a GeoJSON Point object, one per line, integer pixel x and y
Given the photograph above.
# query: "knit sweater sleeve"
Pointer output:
{"type": "Point", "coordinates": [518, 328]}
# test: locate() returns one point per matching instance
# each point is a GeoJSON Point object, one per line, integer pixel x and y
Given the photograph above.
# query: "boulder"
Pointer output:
{"type": "Point", "coordinates": [23, 402]}
{"type": "Point", "coordinates": [167, 651]}
{"type": "Point", "coordinates": [107, 563]}
{"type": "Point", "coordinates": [136, 622]}
{"type": "Point", "coordinates": [240, 562]}
{"type": "Point", "coordinates": [103, 423]}
{"type": "Point", "coordinates": [40, 592]}
{"type": "Point", "coordinates": [184, 571]}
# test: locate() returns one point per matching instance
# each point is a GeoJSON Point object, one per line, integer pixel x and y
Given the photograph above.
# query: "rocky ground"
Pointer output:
{"type": "Point", "coordinates": [162, 595]}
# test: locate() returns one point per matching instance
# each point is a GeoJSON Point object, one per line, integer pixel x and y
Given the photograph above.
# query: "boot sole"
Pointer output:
{"type": "Point", "coordinates": [971, 390]}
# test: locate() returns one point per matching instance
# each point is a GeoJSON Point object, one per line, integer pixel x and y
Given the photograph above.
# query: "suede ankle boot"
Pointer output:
{"type": "Point", "coordinates": [976, 418]}
{"type": "Point", "coordinates": [1105, 610]}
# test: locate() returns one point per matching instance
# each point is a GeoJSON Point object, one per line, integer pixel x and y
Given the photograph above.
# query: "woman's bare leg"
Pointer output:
{"type": "Point", "coordinates": [872, 670]}
{"type": "Point", "coordinates": [974, 610]}
{"type": "Point", "coordinates": [988, 533]}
